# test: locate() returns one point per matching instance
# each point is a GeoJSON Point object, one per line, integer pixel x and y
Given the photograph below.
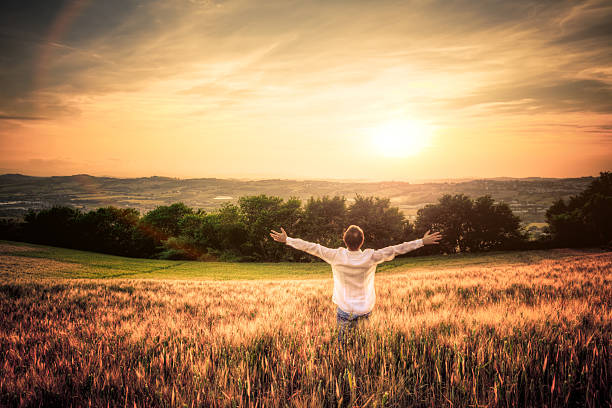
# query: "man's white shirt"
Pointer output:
{"type": "Point", "coordinates": [353, 271]}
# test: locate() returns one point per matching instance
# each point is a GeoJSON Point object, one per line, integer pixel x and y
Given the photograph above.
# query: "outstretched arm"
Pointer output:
{"type": "Point", "coordinates": [390, 252]}
{"type": "Point", "coordinates": [326, 254]}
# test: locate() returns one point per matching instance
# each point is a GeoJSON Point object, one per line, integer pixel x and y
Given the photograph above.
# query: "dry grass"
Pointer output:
{"type": "Point", "coordinates": [11, 266]}
{"type": "Point", "coordinates": [8, 248]}
{"type": "Point", "coordinates": [509, 335]}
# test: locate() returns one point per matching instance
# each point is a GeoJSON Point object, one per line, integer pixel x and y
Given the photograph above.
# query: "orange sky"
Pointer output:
{"type": "Point", "coordinates": [306, 89]}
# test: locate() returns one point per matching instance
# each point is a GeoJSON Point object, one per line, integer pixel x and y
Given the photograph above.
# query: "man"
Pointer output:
{"type": "Point", "coordinates": [353, 270]}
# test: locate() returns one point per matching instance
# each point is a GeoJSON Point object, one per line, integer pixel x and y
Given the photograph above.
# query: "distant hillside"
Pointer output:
{"type": "Point", "coordinates": [529, 197]}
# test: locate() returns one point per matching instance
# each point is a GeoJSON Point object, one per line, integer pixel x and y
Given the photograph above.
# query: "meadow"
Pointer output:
{"type": "Point", "coordinates": [529, 328]}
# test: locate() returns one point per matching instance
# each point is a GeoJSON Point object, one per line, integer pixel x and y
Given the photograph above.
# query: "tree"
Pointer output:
{"type": "Point", "coordinates": [470, 225]}
{"type": "Point", "coordinates": [164, 221]}
{"type": "Point", "coordinates": [382, 224]}
{"type": "Point", "coordinates": [324, 220]}
{"type": "Point", "coordinates": [586, 219]}
{"type": "Point", "coordinates": [12, 229]}
{"type": "Point", "coordinates": [115, 231]}
{"type": "Point", "coordinates": [494, 226]}
{"type": "Point", "coordinates": [233, 233]}
{"type": "Point", "coordinates": [261, 214]}
{"type": "Point", "coordinates": [452, 217]}
{"type": "Point", "coordinates": [194, 238]}
{"type": "Point", "coordinates": [221, 234]}
{"type": "Point", "coordinates": [53, 226]}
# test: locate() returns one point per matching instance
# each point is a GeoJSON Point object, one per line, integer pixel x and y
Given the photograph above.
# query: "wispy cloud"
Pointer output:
{"type": "Point", "coordinates": [313, 45]}
{"type": "Point", "coordinates": [8, 117]}
{"type": "Point", "coordinates": [558, 95]}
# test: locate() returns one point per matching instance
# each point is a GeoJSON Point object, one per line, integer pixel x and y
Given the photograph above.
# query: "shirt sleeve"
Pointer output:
{"type": "Point", "coordinates": [390, 252]}
{"type": "Point", "coordinates": [326, 254]}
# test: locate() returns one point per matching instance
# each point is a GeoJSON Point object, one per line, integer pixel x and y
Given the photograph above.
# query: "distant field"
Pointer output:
{"type": "Point", "coordinates": [496, 330]}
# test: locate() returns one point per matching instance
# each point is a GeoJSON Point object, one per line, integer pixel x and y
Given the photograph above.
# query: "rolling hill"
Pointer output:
{"type": "Point", "coordinates": [528, 197]}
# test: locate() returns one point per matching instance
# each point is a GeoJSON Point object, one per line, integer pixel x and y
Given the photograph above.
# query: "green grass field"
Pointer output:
{"type": "Point", "coordinates": [83, 264]}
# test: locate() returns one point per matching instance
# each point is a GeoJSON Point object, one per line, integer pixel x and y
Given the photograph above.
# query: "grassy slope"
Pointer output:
{"type": "Point", "coordinates": [82, 264]}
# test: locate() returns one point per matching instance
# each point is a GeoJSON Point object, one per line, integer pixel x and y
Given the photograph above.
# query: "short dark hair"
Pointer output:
{"type": "Point", "coordinates": [353, 237]}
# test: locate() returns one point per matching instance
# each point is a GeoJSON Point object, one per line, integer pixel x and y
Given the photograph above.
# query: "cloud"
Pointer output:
{"type": "Point", "coordinates": [601, 31]}
{"type": "Point", "coordinates": [9, 117]}
{"type": "Point", "coordinates": [561, 95]}
{"type": "Point", "coordinates": [308, 58]}
{"type": "Point", "coordinates": [47, 51]}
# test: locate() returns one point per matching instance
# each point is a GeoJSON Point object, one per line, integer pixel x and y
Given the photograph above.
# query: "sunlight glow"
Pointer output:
{"type": "Point", "coordinates": [401, 138]}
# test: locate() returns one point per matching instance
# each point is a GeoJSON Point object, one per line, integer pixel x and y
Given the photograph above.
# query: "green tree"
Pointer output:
{"type": "Point", "coordinates": [196, 236]}
{"type": "Point", "coordinates": [233, 233]}
{"type": "Point", "coordinates": [261, 214]}
{"type": "Point", "coordinates": [382, 224]}
{"type": "Point", "coordinates": [470, 225]}
{"type": "Point", "coordinates": [115, 231]}
{"type": "Point", "coordinates": [324, 220]}
{"type": "Point", "coordinates": [452, 217]}
{"type": "Point", "coordinates": [494, 226]}
{"type": "Point", "coordinates": [164, 221]}
{"type": "Point", "coordinates": [586, 219]}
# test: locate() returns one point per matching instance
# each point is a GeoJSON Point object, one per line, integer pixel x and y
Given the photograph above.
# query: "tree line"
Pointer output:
{"type": "Point", "coordinates": [239, 232]}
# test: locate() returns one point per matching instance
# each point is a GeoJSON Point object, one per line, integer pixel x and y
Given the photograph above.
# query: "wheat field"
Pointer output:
{"type": "Point", "coordinates": [515, 334]}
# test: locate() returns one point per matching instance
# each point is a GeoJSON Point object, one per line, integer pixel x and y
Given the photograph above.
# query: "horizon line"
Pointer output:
{"type": "Point", "coordinates": [337, 180]}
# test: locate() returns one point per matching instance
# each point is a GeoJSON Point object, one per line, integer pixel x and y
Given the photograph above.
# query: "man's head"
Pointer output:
{"type": "Point", "coordinates": [353, 237]}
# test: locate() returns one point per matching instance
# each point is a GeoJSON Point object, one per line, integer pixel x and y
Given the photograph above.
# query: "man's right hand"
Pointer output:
{"type": "Point", "coordinates": [279, 236]}
{"type": "Point", "coordinates": [431, 238]}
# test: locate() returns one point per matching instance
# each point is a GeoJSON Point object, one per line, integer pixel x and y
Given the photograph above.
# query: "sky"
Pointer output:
{"type": "Point", "coordinates": [325, 89]}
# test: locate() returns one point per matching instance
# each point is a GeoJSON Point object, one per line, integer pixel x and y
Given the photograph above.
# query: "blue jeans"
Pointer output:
{"type": "Point", "coordinates": [347, 323]}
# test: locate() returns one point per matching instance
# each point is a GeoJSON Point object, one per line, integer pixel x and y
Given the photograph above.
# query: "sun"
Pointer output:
{"type": "Point", "coordinates": [401, 138]}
